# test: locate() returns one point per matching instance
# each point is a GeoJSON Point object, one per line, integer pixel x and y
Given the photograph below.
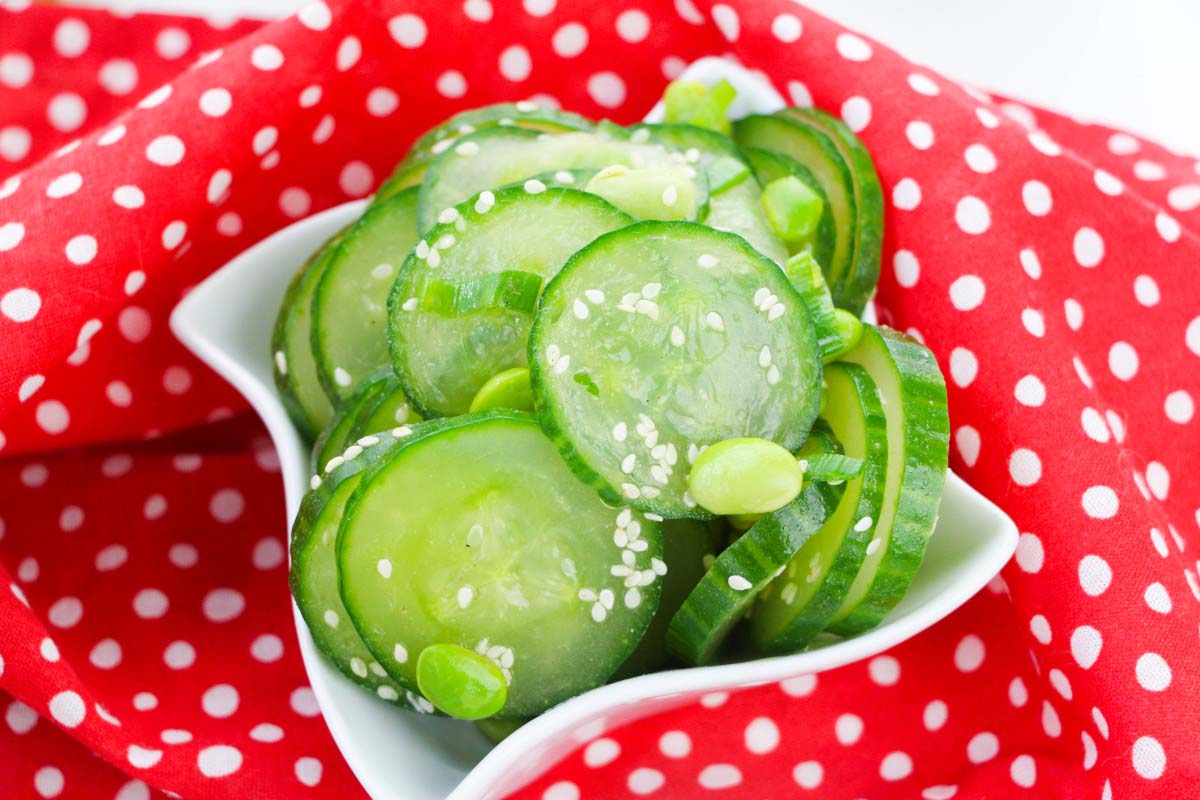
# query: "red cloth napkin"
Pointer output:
{"type": "Point", "coordinates": [1050, 266]}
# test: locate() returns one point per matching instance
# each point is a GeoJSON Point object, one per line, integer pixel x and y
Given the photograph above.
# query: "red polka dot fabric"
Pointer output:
{"type": "Point", "coordinates": [145, 615]}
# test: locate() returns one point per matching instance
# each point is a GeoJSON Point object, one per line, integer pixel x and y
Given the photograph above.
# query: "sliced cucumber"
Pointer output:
{"type": "Point", "coordinates": [349, 311]}
{"type": "Point", "coordinates": [314, 580]}
{"type": "Point", "coordinates": [805, 274]}
{"type": "Point", "coordinates": [771, 166]}
{"type": "Point", "coordinates": [799, 604]}
{"type": "Point", "coordinates": [442, 362]}
{"type": "Point", "coordinates": [730, 586]}
{"type": "Point", "coordinates": [868, 200]}
{"type": "Point", "coordinates": [389, 410]}
{"type": "Point", "coordinates": [295, 371]}
{"type": "Point", "coordinates": [478, 535]}
{"type": "Point", "coordinates": [342, 428]}
{"type": "Point", "coordinates": [913, 392]}
{"type": "Point", "coordinates": [689, 546]}
{"type": "Point", "coordinates": [663, 337]}
{"type": "Point", "coordinates": [498, 157]}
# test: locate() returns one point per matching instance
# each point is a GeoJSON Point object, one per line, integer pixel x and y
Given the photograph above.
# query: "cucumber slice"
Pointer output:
{"type": "Point", "coordinates": [805, 274]}
{"type": "Point", "coordinates": [918, 430]}
{"type": "Point", "coordinates": [798, 604]}
{"type": "Point", "coordinates": [689, 547]}
{"type": "Point", "coordinates": [479, 535]}
{"type": "Point", "coordinates": [443, 362]}
{"type": "Point", "coordinates": [349, 310]}
{"type": "Point", "coordinates": [522, 115]}
{"type": "Point", "coordinates": [660, 338]}
{"type": "Point", "coordinates": [507, 389]}
{"type": "Point", "coordinates": [342, 429]}
{"type": "Point", "coordinates": [868, 200]}
{"type": "Point", "coordinates": [389, 410]}
{"type": "Point", "coordinates": [771, 166]}
{"type": "Point", "coordinates": [295, 371]}
{"type": "Point", "coordinates": [501, 156]}
{"type": "Point", "coordinates": [314, 580]}
{"type": "Point", "coordinates": [727, 590]}
{"type": "Point", "coordinates": [733, 205]}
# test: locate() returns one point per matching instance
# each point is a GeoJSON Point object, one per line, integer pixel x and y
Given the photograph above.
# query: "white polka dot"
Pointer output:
{"type": "Point", "coordinates": [16, 70]}
{"type": "Point", "coordinates": [267, 57]}
{"type": "Point", "coordinates": [145, 701]}
{"type": "Point", "coordinates": [452, 84]}
{"type": "Point", "coordinates": [972, 215]}
{"type": "Point", "coordinates": [15, 143]}
{"type": "Point", "coordinates": [165, 151]}
{"type": "Point", "coordinates": [1086, 643]}
{"type": "Point", "coordinates": [175, 736]}
{"type": "Point", "coordinates": [1146, 170]}
{"type": "Point", "coordinates": [408, 30]}
{"type": "Point", "coordinates": [967, 440]}
{"type": "Point", "coordinates": [1089, 750]}
{"type": "Point", "coordinates": [601, 752]}
{"type": "Point", "coordinates": [216, 102]}
{"type": "Point", "coordinates": [808, 774]}
{"type": "Point", "coordinates": [1100, 502]}
{"type": "Point", "coordinates": [1179, 407]}
{"type": "Point", "coordinates": [229, 224]}
{"type": "Point", "coordinates": [1108, 183]}
{"type": "Point", "coordinates": [81, 250]}
{"type": "Point", "coordinates": [1095, 575]}
{"type": "Point", "coordinates": [799, 686]}
{"type": "Point", "coordinates": [980, 159]}
{"type": "Point", "coordinates": [515, 64]}
{"type": "Point", "coordinates": [65, 612]}
{"type": "Point", "coordinates": [539, 8]}
{"type": "Point", "coordinates": [48, 781]}
{"type": "Point", "coordinates": [761, 736]}
{"type": "Point", "coordinates": [799, 94]}
{"type": "Point", "coordinates": [963, 366]}
{"type": "Point", "coordinates": [179, 655]}
{"type": "Point", "coordinates": [562, 790]}
{"type": "Point", "coordinates": [478, 10]}
{"type": "Point", "coordinates": [382, 101]}
{"type": "Point", "coordinates": [935, 715]}
{"type": "Point", "coordinates": [922, 84]}
{"type": "Point", "coordinates": [884, 670]}
{"type": "Point", "coordinates": [896, 766]}
{"type": "Point", "coordinates": [1192, 336]}
{"type": "Point", "coordinates": [1094, 425]}
{"type": "Point", "coordinates": [129, 197]}
{"type": "Point", "coordinates": [183, 555]}
{"type": "Point", "coordinates": [172, 235]}
{"type": "Point", "coordinates": [20, 305]}
{"type": "Point", "coordinates": [315, 16]}
{"type": "Point", "coordinates": [969, 654]}
{"type": "Point", "coordinates": [983, 747]}
{"type": "Point", "coordinates": [1030, 391]}
{"type": "Point", "coordinates": [266, 732]}
{"type": "Point", "coordinates": [222, 605]}
{"type": "Point", "coordinates": [68, 709]}
{"type": "Point", "coordinates": [1025, 467]}
{"type": "Point", "coordinates": [1122, 144]}
{"type": "Point", "coordinates": [1042, 142]}
{"type": "Point", "coordinates": [267, 648]}
{"type": "Point", "coordinates": [1039, 626]}
{"type": "Point", "coordinates": [606, 89]}
{"type": "Point", "coordinates": [1149, 759]}
{"type": "Point", "coordinates": [1158, 481]}
{"type": "Point", "coordinates": [1157, 599]}
{"type": "Point", "coordinates": [155, 98]}
{"type": "Point", "coordinates": [1101, 722]}
{"type": "Point", "coordinates": [1167, 226]}
{"type": "Point", "coordinates": [919, 134]}
{"type": "Point", "coordinates": [1089, 247]}
{"type": "Point", "coordinates": [218, 761]}
{"type": "Point", "coordinates": [633, 26]}
{"type": "Point", "coordinates": [294, 202]}
{"type": "Point", "coordinates": [309, 770]}
{"type": "Point", "coordinates": [720, 776]}
{"type": "Point", "coordinates": [348, 53]}
{"type": "Point", "coordinates": [1123, 361]}
{"type": "Point", "coordinates": [1153, 672]}
{"type": "Point", "coordinates": [1023, 771]}
{"type": "Point", "coordinates": [52, 417]}
{"type": "Point", "coordinates": [675, 744]}
{"type": "Point", "coordinates": [1145, 289]}
{"type": "Point", "coordinates": [310, 96]}
{"type": "Point", "coordinates": [227, 505]}
{"type": "Point", "coordinates": [1051, 723]}
{"type": "Point", "coordinates": [853, 48]}
{"type": "Point", "coordinates": [150, 604]}
{"type": "Point", "coordinates": [64, 185]}
{"type": "Point", "coordinates": [21, 718]}
{"type": "Point", "coordinates": [70, 520]}
{"type": "Point", "coordinates": [1037, 199]}
{"type": "Point", "coordinates": [856, 112]}
{"type": "Point", "coordinates": [304, 702]}
{"type": "Point", "coordinates": [848, 728]}
{"type": "Point", "coordinates": [111, 557]}
{"type": "Point", "coordinates": [967, 292]}
{"type": "Point", "coordinates": [1018, 695]}
{"type": "Point", "coordinates": [172, 43]}
{"type": "Point", "coordinates": [264, 139]}
{"type": "Point", "coordinates": [906, 196]}
{"type": "Point", "coordinates": [71, 38]}
{"type": "Point", "coordinates": [11, 234]}
{"type": "Point", "coordinates": [907, 268]}
{"type": "Point", "coordinates": [220, 701]}
{"type": "Point", "coordinates": [1030, 263]}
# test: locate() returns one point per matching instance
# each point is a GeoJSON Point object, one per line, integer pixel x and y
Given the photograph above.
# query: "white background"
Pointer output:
{"type": "Point", "coordinates": [1133, 64]}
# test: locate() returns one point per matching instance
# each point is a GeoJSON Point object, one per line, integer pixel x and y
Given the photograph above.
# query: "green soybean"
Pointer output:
{"type": "Point", "coordinates": [507, 389]}
{"type": "Point", "coordinates": [745, 476]}
{"type": "Point", "coordinates": [849, 331]}
{"type": "Point", "coordinates": [460, 682]}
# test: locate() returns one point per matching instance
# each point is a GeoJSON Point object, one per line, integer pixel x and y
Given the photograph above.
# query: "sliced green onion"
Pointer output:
{"type": "Point", "coordinates": [696, 104]}
{"type": "Point", "coordinates": [725, 172]}
{"type": "Point", "coordinates": [831, 467]}
{"type": "Point", "coordinates": [849, 330]}
{"type": "Point", "coordinates": [805, 274]}
{"type": "Point", "coordinates": [793, 209]}
{"type": "Point", "coordinates": [511, 289]}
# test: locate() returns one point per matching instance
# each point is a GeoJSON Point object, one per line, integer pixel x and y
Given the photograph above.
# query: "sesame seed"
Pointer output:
{"type": "Point", "coordinates": [650, 492]}
{"type": "Point", "coordinates": [789, 593]}
{"type": "Point", "coordinates": [315, 482]}
{"type": "Point", "coordinates": [586, 595]}
{"type": "Point", "coordinates": [707, 261]}
{"type": "Point", "coordinates": [443, 145]}
{"type": "Point", "coordinates": [628, 490]}
{"type": "Point", "coordinates": [633, 598]}
{"type": "Point", "coordinates": [659, 474]}
{"type": "Point", "coordinates": [562, 176]}
{"type": "Point", "coordinates": [464, 130]}
{"type": "Point", "coordinates": [352, 452]}
{"type": "Point", "coordinates": [465, 595]}
{"type": "Point", "coordinates": [435, 258]}
{"type": "Point", "coordinates": [619, 432]}
{"type": "Point", "coordinates": [764, 356]}
{"type": "Point", "coordinates": [651, 440]}
{"type": "Point", "coordinates": [446, 241]}
{"type": "Point", "coordinates": [659, 451]}
{"type": "Point", "coordinates": [387, 693]}
{"type": "Point", "coordinates": [378, 669]}
{"type": "Point", "coordinates": [776, 312]}
{"type": "Point", "coordinates": [568, 567]}
{"type": "Point", "coordinates": [447, 216]}
{"type": "Point", "coordinates": [526, 106]}
{"type": "Point", "coordinates": [610, 171]}
{"type": "Point", "coordinates": [341, 377]}
{"type": "Point", "coordinates": [761, 295]}
{"type": "Point", "coordinates": [382, 270]}
{"type": "Point", "coordinates": [692, 155]}
{"type": "Point", "coordinates": [693, 452]}
{"type": "Point", "coordinates": [620, 539]}
{"type": "Point", "coordinates": [863, 524]}
{"type": "Point", "coordinates": [331, 618]}
{"type": "Point", "coordinates": [647, 307]}
{"type": "Point", "coordinates": [647, 421]}
{"type": "Point", "coordinates": [534, 186]}
{"type": "Point", "coordinates": [672, 454]}
{"type": "Point", "coordinates": [580, 309]}
{"type": "Point", "coordinates": [358, 667]}
{"type": "Point", "coordinates": [670, 196]}
{"type": "Point", "coordinates": [688, 501]}
{"type": "Point", "coordinates": [658, 566]}
{"type": "Point", "coordinates": [640, 136]}
{"type": "Point", "coordinates": [598, 613]}
{"type": "Point", "coordinates": [401, 414]}
{"type": "Point", "coordinates": [594, 296]}
{"type": "Point", "coordinates": [738, 583]}
{"type": "Point", "coordinates": [714, 321]}
{"type": "Point", "coordinates": [400, 653]}
{"type": "Point", "coordinates": [628, 463]}
{"type": "Point", "coordinates": [281, 362]}
{"type": "Point", "coordinates": [409, 305]}
{"type": "Point", "coordinates": [624, 517]}
{"type": "Point", "coordinates": [651, 290]}
{"type": "Point", "coordinates": [467, 149]}
{"type": "Point", "coordinates": [552, 354]}
{"type": "Point", "coordinates": [773, 375]}
{"type": "Point", "coordinates": [368, 441]}
{"type": "Point", "coordinates": [403, 430]}
{"type": "Point", "coordinates": [677, 337]}
{"type": "Point", "coordinates": [422, 249]}
{"type": "Point", "coordinates": [385, 567]}
{"type": "Point", "coordinates": [635, 529]}
{"type": "Point", "coordinates": [484, 202]}
{"type": "Point", "coordinates": [607, 598]}
{"type": "Point", "coordinates": [507, 658]}
{"type": "Point", "coordinates": [563, 365]}
{"type": "Point", "coordinates": [874, 546]}
{"type": "Point", "coordinates": [475, 535]}
{"type": "Point", "coordinates": [334, 463]}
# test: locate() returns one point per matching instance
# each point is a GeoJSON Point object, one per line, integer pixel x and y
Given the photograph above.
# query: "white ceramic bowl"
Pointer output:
{"type": "Point", "coordinates": [402, 756]}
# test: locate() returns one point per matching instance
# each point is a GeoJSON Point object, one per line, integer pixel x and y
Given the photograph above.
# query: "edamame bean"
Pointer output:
{"type": "Point", "coordinates": [849, 330]}
{"type": "Point", "coordinates": [745, 476]}
{"type": "Point", "coordinates": [460, 682]}
{"type": "Point", "coordinates": [650, 193]}
{"type": "Point", "coordinates": [507, 389]}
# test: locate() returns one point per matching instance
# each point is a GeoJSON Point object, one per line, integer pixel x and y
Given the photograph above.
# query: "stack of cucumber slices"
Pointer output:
{"type": "Point", "coordinates": [590, 400]}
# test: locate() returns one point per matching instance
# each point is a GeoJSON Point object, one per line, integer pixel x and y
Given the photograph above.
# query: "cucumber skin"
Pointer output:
{"type": "Point", "coordinates": [926, 457]}
{"type": "Point", "coordinates": [337, 435]}
{"type": "Point", "coordinates": [868, 195]}
{"type": "Point", "coordinates": [710, 612]}
{"type": "Point", "coordinates": [839, 577]}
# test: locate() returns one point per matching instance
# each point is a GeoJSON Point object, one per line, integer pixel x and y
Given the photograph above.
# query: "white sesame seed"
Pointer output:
{"type": "Point", "coordinates": [738, 583]}
{"type": "Point", "coordinates": [447, 216]}
{"type": "Point", "coordinates": [562, 176]}
{"type": "Point", "coordinates": [526, 106]}
{"type": "Point", "coordinates": [776, 312]}
{"type": "Point", "coordinates": [789, 593]}
{"type": "Point", "coordinates": [475, 535]}
{"type": "Point", "coordinates": [628, 490]}
{"type": "Point", "coordinates": [281, 362]}
{"type": "Point", "coordinates": [534, 186]}
{"type": "Point", "coordinates": [620, 570]}
{"type": "Point", "coordinates": [446, 241]}
{"type": "Point", "coordinates": [467, 149]}
{"type": "Point", "coordinates": [507, 658]}
{"type": "Point", "coordinates": [368, 441]}
{"type": "Point", "coordinates": [579, 308]}
{"type": "Point", "coordinates": [465, 595]}
{"type": "Point", "coordinates": [422, 249]}
{"type": "Point", "coordinates": [633, 598]}
{"type": "Point", "coordinates": [341, 377]}
{"type": "Point", "coordinates": [552, 354]}
{"type": "Point", "coordinates": [385, 567]}
{"type": "Point", "coordinates": [764, 356]}
{"type": "Point", "coordinates": [409, 305]}
{"type": "Point", "coordinates": [586, 595]}
{"type": "Point", "coordinates": [628, 559]}
{"type": "Point", "coordinates": [650, 492]}
{"type": "Point", "coordinates": [568, 567]}
{"type": "Point", "coordinates": [358, 667]}
{"type": "Point", "coordinates": [352, 452]}
{"type": "Point", "coordinates": [484, 202]}
{"type": "Point", "coordinates": [381, 270]}
{"type": "Point", "coordinates": [773, 375]}
{"type": "Point", "coordinates": [651, 440]}
{"type": "Point", "coordinates": [403, 430]}
{"type": "Point", "coordinates": [387, 693]}
{"type": "Point", "coordinates": [400, 653]}
{"type": "Point", "coordinates": [670, 196]}
{"type": "Point", "coordinates": [619, 432]}
{"type": "Point", "coordinates": [443, 145]}
{"type": "Point", "coordinates": [863, 524]}
{"type": "Point", "coordinates": [760, 295]}
{"type": "Point", "coordinates": [334, 463]}
{"type": "Point", "coordinates": [647, 307]}
{"type": "Point", "coordinates": [607, 598]}
{"type": "Point", "coordinates": [672, 454]}
{"type": "Point", "coordinates": [624, 517]}
{"type": "Point", "coordinates": [714, 321]}
{"type": "Point", "coordinates": [647, 421]}
{"type": "Point", "coordinates": [707, 260]}
{"type": "Point", "coordinates": [620, 539]}
{"type": "Point", "coordinates": [635, 529]}
{"type": "Point", "coordinates": [677, 337]}
{"type": "Point", "coordinates": [651, 290]}
{"type": "Point", "coordinates": [658, 565]}
{"type": "Point", "coordinates": [628, 463]}
{"type": "Point", "coordinates": [598, 613]}
{"type": "Point", "coordinates": [563, 365]}
{"type": "Point", "coordinates": [594, 296]}
{"type": "Point", "coordinates": [640, 136]}
{"type": "Point", "coordinates": [315, 482]}
{"type": "Point", "coordinates": [435, 258]}
{"type": "Point", "coordinates": [692, 155]}
{"type": "Point", "coordinates": [378, 669]}
{"type": "Point", "coordinates": [659, 474]}
{"type": "Point", "coordinates": [331, 618]}
{"type": "Point", "coordinates": [658, 452]}
{"type": "Point", "coordinates": [464, 130]}
{"type": "Point", "coordinates": [690, 503]}
{"type": "Point", "coordinates": [874, 546]}
{"type": "Point", "coordinates": [693, 452]}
